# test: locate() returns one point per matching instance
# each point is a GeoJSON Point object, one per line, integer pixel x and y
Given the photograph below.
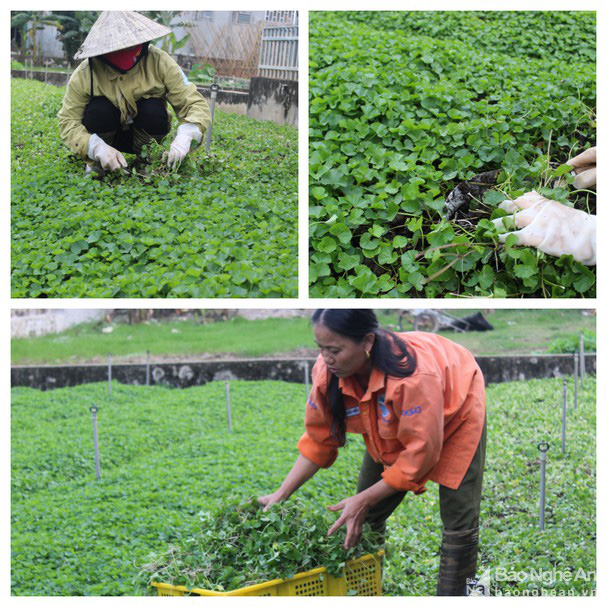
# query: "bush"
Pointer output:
{"type": "Point", "coordinates": [570, 343]}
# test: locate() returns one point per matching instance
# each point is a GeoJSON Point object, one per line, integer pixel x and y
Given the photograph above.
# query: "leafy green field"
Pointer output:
{"type": "Point", "coordinates": [166, 456]}
{"type": "Point", "coordinates": [224, 226]}
{"type": "Point", "coordinates": [403, 107]}
{"type": "Point", "coordinates": [516, 332]}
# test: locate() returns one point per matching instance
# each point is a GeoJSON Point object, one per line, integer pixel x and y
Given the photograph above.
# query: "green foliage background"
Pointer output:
{"type": "Point", "coordinates": [166, 456]}
{"type": "Point", "coordinates": [403, 107]}
{"type": "Point", "coordinates": [518, 331]}
{"type": "Point", "coordinates": [224, 226]}
{"type": "Point", "coordinates": [570, 343]}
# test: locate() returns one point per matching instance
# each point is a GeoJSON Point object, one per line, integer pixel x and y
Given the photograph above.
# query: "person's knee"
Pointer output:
{"type": "Point", "coordinates": [461, 521]}
{"type": "Point", "coordinates": [152, 117]}
{"type": "Point", "coordinates": [101, 116]}
{"type": "Point", "coordinates": [459, 509]}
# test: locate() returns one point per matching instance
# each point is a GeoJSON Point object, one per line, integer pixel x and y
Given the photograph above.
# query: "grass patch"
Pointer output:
{"type": "Point", "coordinates": [238, 336]}
{"type": "Point", "coordinates": [516, 332]}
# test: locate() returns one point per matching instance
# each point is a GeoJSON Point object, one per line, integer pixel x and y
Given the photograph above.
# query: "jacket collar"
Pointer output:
{"type": "Point", "coordinates": [377, 382]}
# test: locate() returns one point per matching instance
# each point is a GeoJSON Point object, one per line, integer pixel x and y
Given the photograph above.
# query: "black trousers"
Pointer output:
{"type": "Point", "coordinates": [459, 508]}
{"type": "Point", "coordinates": [103, 118]}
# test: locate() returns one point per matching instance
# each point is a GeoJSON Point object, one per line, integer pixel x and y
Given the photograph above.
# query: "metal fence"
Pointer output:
{"type": "Point", "coordinates": [278, 54]}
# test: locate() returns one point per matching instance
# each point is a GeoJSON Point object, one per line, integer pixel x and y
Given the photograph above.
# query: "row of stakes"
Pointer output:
{"type": "Point", "coordinates": [94, 410]}
{"type": "Point", "coordinates": [578, 372]}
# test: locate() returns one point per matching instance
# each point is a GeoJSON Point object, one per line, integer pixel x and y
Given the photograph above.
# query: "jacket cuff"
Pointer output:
{"type": "Point", "coordinates": [394, 478]}
{"type": "Point", "coordinates": [321, 455]}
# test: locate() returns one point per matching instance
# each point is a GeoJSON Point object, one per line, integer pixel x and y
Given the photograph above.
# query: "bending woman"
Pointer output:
{"type": "Point", "coordinates": [418, 399]}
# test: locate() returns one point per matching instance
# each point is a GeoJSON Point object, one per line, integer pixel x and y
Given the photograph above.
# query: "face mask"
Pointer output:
{"type": "Point", "coordinates": [125, 58]}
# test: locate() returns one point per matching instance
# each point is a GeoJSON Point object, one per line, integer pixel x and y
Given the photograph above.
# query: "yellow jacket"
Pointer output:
{"type": "Point", "coordinates": [156, 75]}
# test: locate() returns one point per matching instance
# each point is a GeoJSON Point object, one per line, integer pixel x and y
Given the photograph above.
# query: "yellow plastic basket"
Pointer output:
{"type": "Point", "coordinates": [362, 577]}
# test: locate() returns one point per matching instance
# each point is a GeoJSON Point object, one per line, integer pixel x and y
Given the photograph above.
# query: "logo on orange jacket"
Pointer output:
{"type": "Point", "coordinates": [312, 404]}
{"type": "Point", "coordinates": [386, 414]}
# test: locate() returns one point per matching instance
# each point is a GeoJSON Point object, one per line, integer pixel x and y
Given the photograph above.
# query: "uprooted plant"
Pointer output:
{"type": "Point", "coordinates": [240, 545]}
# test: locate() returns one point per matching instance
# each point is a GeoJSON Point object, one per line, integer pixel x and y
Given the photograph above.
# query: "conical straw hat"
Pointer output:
{"type": "Point", "coordinates": [115, 30]}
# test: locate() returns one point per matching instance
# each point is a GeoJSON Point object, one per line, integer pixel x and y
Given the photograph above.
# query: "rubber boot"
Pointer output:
{"type": "Point", "coordinates": [458, 555]}
{"type": "Point", "coordinates": [108, 137]}
{"type": "Point", "coordinates": [141, 138]}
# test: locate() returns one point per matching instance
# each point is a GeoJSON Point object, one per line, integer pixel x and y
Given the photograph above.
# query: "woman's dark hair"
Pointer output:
{"type": "Point", "coordinates": [389, 354]}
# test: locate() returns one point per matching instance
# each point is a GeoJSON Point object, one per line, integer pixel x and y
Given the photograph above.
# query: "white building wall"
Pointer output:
{"type": "Point", "coordinates": [28, 323]}
{"type": "Point", "coordinates": [48, 45]}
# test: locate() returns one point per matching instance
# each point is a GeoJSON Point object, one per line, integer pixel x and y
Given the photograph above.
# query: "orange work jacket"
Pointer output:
{"type": "Point", "coordinates": [425, 426]}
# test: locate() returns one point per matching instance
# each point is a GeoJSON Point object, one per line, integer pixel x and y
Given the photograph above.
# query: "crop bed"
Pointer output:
{"type": "Point", "coordinates": [403, 108]}
{"type": "Point", "coordinates": [222, 226]}
{"type": "Point", "coordinates": [166, 458]}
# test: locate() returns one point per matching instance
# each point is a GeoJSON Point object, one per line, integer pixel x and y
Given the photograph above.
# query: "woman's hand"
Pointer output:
{"type": "Point", "coordinates": [584, 169]}
{"type": "Point", "coordinates": [354, 513]}
{"type": "Point", "coordinates": [271, 499]}
{"type": "Point", "coordinates": [186, 133]}
{"type": "Point", "coordinates": [303, 470]}
{"type": "Point", "coordinates": [550, 226]}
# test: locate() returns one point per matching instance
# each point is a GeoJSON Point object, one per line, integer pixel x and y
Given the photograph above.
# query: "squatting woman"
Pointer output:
{"type": "Point", "coordinates": [116, 100]}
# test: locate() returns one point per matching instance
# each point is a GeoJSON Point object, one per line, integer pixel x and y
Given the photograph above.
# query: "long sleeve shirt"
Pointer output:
{"type": "Point", "coordinates": [423, 427]}
{"type": "Point", "coordinates": [157, 75]}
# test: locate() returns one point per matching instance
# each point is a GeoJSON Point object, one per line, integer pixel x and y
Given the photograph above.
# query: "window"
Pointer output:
{"type": "Point", "coordinates": [204, 16]}
{"type": "Point", "coordinates": [242, 18]}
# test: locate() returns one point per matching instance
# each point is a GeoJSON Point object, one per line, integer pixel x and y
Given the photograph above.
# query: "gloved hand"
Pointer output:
{"type": "Point", "coordinates": [109, 157]}
{"type": "Point", "coordinates": [551, 227]}
{"type": "Point", "coordinates": [181, 144]}
{"type": "Point", "coordinates": [584, 169]}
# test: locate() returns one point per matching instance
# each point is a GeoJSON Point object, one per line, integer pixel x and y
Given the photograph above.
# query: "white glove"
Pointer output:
{"type": "Point", "coordinates": [181, 144]}
{"type": "Point", "coordinates": [584, 169]}
{"type": "Point", "coordinates": [551, 227]}
{"type": "Point", "coordinates": [109, 158]}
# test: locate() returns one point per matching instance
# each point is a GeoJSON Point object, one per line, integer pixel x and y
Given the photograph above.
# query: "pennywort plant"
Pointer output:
{"type": "Point", "coordinates": [402, 113]}
{"type": "Point", "coordinates": [223, 225]}
{"type": "Point", "coordinates": [241, 545]}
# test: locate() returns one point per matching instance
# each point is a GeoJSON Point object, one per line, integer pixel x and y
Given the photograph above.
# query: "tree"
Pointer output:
{"type": "Point", "coordinates": [169, 43]}
{"type": "Point", "coordinates": [26, 25]}
{"type": "Point", "coordinates": [75, 26]}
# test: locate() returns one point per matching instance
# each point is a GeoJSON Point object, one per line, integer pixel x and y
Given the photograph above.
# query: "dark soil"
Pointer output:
{"type": "Point", "coordinates": [458, 201]}
{"type": "Point", "coordinates": [460, 210]}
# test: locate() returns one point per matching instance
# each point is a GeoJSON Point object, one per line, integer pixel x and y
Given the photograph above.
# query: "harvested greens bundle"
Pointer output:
{"type": "Point", "coordinates": [240, 545]}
